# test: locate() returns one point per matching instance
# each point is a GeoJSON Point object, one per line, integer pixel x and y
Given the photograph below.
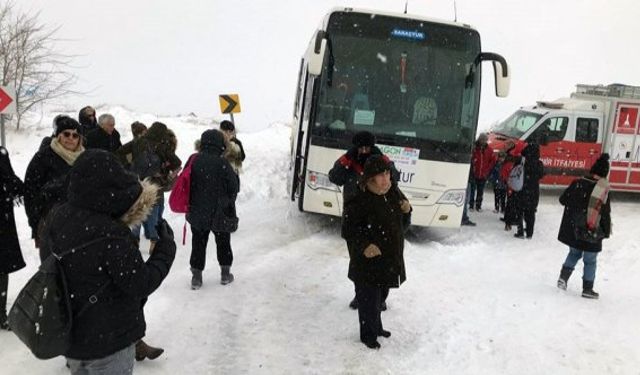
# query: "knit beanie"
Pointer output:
{"type": "Point", "coordinates": [363, 138]}
{"type": "Point", "coordinates": [601, 166]}
{"type": "Point", "coordinates": [64, 122]}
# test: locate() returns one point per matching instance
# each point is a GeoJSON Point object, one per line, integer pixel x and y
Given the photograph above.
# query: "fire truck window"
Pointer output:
{"type": "Point", "coordinates": [587, 130]}
{"type": "Point", "coordinates": [551, 130]}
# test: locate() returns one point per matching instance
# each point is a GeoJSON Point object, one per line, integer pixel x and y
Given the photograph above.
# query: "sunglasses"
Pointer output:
{"type": "Point", "coordinates": [68, 134]}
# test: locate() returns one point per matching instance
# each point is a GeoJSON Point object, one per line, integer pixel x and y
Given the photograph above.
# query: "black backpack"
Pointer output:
{"type": "Point", "coordinates": [41, 315]}
{"type": "Point", "coordinates": [147, 163]}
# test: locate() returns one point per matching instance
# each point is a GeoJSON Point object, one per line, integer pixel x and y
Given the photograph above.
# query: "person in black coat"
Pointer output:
{"type": "Point", "coordinates": [373, 226]}
{"type": "Point", "coordinates": [235, 152]}
{"type": "Point", "coordinates": [106, 267]}
{"type": "Point", "coordinates": [528, 198]}
{"type": "Point", "coordinates": [212, 208]}
{"type": "Point", "coordinates": [587, 210]}
{"type": "Point", "coordinates": [11, 191]}
{"type": "Point", "coordinates": [105, 137]}
{"type": "Point", "coordinates": [46, 178]}
{"type": "Point", "coordinates": [88, 120]}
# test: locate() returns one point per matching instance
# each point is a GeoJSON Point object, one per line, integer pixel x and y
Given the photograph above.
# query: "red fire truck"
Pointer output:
{"type": "Point", "coordinates": [573, 132]}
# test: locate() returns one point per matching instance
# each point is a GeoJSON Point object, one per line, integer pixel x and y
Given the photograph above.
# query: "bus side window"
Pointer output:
{"type": "Point", "coordinates": [587, 130]}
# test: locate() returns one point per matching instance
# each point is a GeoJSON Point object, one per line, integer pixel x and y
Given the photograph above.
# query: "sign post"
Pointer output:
{"type": "Point", "coordinates": [7, 105]}
{"type": "Point", "coordinates": [230, 103]}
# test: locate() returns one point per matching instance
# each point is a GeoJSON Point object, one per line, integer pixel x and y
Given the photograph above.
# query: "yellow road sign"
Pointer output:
{"type": "Point", "coordinates": [230, 103]}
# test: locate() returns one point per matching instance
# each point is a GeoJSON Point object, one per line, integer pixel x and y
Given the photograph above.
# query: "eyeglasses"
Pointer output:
{"type": "Point", "coordinates": [68, 134]}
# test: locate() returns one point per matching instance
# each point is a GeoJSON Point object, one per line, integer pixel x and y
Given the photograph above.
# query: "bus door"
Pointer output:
{"type": "Point", "coordinates": [556, 147]}
{"type": "Point", "coordinates": [624, 147]}
{"type": "Point", "coordinates": [299, 129]}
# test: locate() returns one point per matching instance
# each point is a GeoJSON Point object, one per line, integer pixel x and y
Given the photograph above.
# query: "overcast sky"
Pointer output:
{"type": "Point", "coordinates": [169, 57]}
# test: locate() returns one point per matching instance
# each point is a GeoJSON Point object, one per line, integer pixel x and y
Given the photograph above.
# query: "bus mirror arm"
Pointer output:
{"type": "Point", "coordinates": [501, 71]}
{"type": "Point", "coordinates": [315, 56]}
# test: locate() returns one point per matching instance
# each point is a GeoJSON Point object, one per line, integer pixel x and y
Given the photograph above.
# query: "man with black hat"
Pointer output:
{"type": "Point", "coordinates": [373, 225]}
{"type": "Point", "coordinates": [586, 221]}
{"type": "Point", "coordinates": [349, 168]}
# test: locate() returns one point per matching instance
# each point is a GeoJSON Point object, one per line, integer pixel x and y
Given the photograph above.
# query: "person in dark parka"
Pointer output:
{"type": "Point", "coordinates": [103, 201]}
{"type": "Point", "coordinates": [373, 226]}
{"type": "Point", "coordinates": [235, 152]}
{"type": "Point", "coordinates": [529, 196]}
{"type": "Point", "coordinates": [586, 204]}
{"type": "Point", "coordinates": [105, 137]}
{"type": "Point", "coordinates": [212, 208]}
{"type": "Point", "coordinates": [11, 191]}
{"type": "Point", "coordinates": [46, 178]}
{"type": "Point", "coordinates": [88, 120]}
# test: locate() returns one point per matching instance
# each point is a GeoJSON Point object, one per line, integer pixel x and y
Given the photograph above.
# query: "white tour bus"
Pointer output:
{"type": "Point", "coordinates": [413, 82]}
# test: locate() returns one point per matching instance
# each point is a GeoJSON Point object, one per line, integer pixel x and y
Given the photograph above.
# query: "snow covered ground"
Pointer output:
{"type": "Point", "coordinates": [476, 300]}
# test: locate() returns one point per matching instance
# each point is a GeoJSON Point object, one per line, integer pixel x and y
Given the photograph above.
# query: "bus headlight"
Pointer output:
{"type": "Point", "coordinates": [317, 180]}
{"type": "Point", "coordinates": [453, 197]}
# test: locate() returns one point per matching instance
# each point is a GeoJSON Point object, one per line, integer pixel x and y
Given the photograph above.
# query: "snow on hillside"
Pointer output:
{"type": "Point", "coordinates": [476, 300]}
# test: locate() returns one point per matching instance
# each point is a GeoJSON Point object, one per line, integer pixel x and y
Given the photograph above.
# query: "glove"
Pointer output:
{"type": "Point", "coordinates": [165, 233]}
{"type": "Point", "coordinates": [372, 251]}
{"type": "Point", "coordinates": [405, 207]}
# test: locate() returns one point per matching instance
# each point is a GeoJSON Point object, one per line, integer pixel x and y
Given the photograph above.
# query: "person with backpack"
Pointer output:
{"type": "Point", "coordinates": [529, 194]}
{"type": "Point", "coordinates": [108, 270]}
{"type": "Point", "coordinates": [46, 178]}
{"type": "Point", "coordinates": [151, 155]}
{"type": "Point", "coordinates": [212, 208]}
{"type": "Point", "coordinates": [11, 260]}
{"type": "Point", "coordinates": [483, 161]}
{"type": "Point", "coordinates": [586, 221]}
{"type": "Point", "coordinates": [512, 159]}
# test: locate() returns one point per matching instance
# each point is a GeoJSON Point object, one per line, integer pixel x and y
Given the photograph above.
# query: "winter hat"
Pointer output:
{"type": "Point", "coordinates": [374, 165]}
{"type": "Point", "coordinates": [227, 125]}
{"type": "Point", "coordinates": [601, 166]}
{"type": "Point", "coordinates": [363, 138]}
{"type": "Point", "coordinates": [98, 182]}
{"type": "Point", "coordinates": [212, 139]}
{"type": "Point", "coordinates": [137, 128]}
{"type": "Point", "coordinates": [64, 122]}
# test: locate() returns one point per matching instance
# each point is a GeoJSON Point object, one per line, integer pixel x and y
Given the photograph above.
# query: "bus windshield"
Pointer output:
{"type": "Point", "coordinates": [412, 83]}
{"type": "Point", "coordinates": [517, 124]}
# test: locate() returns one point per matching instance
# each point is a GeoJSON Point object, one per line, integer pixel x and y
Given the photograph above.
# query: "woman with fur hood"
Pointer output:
{"type": "Point", "coordinates": [106, 267]}
{"type": "Point", "coordinates": [234, 152]}
{"type": "Point", "coordinates": [46, 178]}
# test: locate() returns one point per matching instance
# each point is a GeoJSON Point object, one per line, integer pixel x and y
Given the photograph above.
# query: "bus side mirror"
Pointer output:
{"type": "Point", "coordinates": [501, 70]}
{"type": "Point", "coordinates": [315, 56]}
{"type": "Point", "coordinates": [503, 79]}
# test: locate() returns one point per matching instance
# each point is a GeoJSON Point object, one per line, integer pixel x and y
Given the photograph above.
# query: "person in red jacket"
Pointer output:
{"type": "Point", "coordinates": [482, 162]}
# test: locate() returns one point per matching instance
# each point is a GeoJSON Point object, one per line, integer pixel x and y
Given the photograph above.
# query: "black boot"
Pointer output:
{"type": "Point", "coordinates": [354, 303]}
{"type": "Point", "coordinates": [587, 290]}
{"type": "Point", "coordinates": [196, 279]}
{"type": "Point", "coordinates": [145, 351]}
{"type": "Point", "coordinates": [226, 276]}
{"type": "Point", "coordinates": [565, 273]}
{"type": "Point", "coordinates": [372, 344]}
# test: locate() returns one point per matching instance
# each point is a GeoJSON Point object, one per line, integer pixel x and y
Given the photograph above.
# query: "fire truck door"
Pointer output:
{"type": "Point", "coordinates": [588, 139]}
{"type": "Point", "coordinates": [624, 147]}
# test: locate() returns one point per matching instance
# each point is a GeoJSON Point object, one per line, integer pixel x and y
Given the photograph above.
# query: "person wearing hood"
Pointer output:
{"type": "Point", "coordinates": [234, 152]}
{"type": "Point", "coordinates": [88, 120]}
{"type": "Point", "coordinates": [11, 260]}
{"type": "Point", "coordinates": [212, 207]}
{"type": "Point", "coordinates": [105, 137]}
{"type": "Point", "coordinates": [529, 196]}
{"type": "Point", "coordinates": [373, 226]}
{"type": "Point", "coordinates": [483, 160]}
{"type": "Point", "coordinates": [586, 221]}
{"type": "Point", "coordinates": [46, 179]}
{"type": "Point", "coordinates": [152, 156]}
{"type": "Point", "coordinates": [106, 268]}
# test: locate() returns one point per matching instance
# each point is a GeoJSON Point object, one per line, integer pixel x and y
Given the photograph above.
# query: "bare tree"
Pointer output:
{"type": "Point", "coordinates": [29, 60]}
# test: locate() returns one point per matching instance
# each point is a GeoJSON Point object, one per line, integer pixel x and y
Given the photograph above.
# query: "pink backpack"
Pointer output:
{"type": "Point", "coordinates": [179, 197]}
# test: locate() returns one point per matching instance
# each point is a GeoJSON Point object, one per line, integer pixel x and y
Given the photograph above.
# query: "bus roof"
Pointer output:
{"type": "Point", "coordinates": [393, 14]}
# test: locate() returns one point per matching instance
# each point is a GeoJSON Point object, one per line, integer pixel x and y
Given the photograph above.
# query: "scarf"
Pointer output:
{"type": "Point", "coordinates": [68, 156]}
{"type": "Point", "coordinates": [598, 197]}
